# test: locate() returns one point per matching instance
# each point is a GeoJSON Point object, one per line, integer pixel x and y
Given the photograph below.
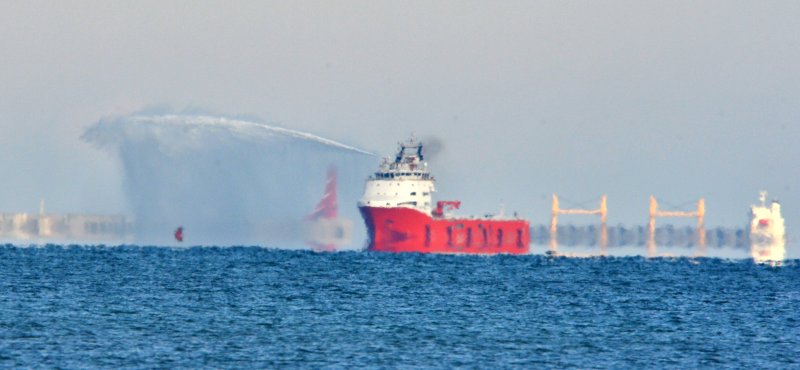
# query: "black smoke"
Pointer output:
{"type": "Point", "coordinates": [432, 147]}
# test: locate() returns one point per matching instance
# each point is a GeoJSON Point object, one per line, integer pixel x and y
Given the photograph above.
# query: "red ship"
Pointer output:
{"type": "Point", "coordinates": [398, 211]}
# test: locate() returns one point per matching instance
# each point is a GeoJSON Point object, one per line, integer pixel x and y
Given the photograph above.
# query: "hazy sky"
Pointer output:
{"type": "Point", "coordinates": [681, 99]}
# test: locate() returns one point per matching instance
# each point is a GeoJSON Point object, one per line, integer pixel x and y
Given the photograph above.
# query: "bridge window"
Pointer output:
{"type": "Point", "coordinates": [413, 193]}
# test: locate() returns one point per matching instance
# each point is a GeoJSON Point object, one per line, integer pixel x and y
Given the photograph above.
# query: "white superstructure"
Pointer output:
{"type": "Point", "coordinates": [767, 232]}
{"type": "Point", "coordinates": [404, 182]}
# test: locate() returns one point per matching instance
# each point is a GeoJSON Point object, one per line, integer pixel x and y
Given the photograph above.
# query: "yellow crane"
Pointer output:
{"type": "Point", "coordinates": [700, 214]}
{"type": "Point", "coordinates": [602, 211]}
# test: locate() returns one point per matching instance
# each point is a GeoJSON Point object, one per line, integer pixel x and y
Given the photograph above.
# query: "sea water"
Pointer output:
{"type": "Point", "coordinates": [244, 307]}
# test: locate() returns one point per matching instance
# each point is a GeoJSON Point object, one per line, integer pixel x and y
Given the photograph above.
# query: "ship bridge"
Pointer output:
{"type": "Point", "coordinates": [408, 163]}
{"type": "Point", "coordinates": [402, 182]}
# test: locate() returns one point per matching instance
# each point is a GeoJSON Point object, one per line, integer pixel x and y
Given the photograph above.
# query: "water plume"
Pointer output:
{"type": "Point", "coordinates": [226, 181]}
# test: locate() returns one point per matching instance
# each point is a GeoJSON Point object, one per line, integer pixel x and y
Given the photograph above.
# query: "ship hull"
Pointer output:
{"type": "Point", "coordinates": [399, 229]}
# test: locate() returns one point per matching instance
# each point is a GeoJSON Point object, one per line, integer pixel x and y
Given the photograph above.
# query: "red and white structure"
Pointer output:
{"type": "Point", "coordinates": [325, 231]}
{"type": "Point", "coordinates": [398, 209]}
{"type": "Point", "coordinates": [767, 231]}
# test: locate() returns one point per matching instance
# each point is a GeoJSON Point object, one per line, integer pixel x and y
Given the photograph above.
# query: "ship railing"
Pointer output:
{"type": "Point", "coordinates": [402, 175]}
{"type": "Point", "coordinates": [487, 217]}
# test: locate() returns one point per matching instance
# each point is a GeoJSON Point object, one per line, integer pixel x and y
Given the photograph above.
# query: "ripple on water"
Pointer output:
{"type": "Point", "coordinates": [77, 306]}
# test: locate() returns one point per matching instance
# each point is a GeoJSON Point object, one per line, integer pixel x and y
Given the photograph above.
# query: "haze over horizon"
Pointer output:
{"type": "Point", "coordinates": [679, 99]}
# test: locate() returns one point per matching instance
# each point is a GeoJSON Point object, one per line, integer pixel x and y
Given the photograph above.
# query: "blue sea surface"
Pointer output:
{"type": "Point", "coordinates": [245, 307]}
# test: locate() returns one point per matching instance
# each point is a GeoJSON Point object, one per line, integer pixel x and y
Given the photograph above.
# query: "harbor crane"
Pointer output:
{"type": "Point", "coordinates": [602, 211]}
{"type": "Point", "coordinates": [699, 213]}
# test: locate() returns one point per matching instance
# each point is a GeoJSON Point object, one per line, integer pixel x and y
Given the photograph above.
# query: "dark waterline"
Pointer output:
{"type": "Point", "coordinates": [97, 307]}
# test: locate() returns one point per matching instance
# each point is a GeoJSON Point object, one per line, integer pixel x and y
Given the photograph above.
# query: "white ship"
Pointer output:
{"type": "Point", "coordinates": [767, 232]}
